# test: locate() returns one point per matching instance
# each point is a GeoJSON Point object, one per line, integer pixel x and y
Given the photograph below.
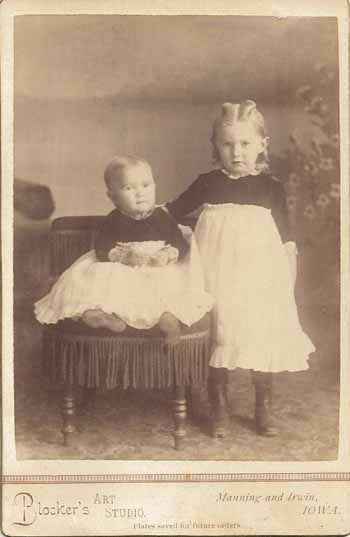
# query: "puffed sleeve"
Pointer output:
{"type": "Point", "coordinates": [106, 237]}
{"type": "Point", "coordinates": [190, 200]}
{"type": "Point", "coordinates": [279, 210]}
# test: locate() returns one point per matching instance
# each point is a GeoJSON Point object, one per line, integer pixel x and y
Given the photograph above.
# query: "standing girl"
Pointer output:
{"type": "Point", "coordinates": [249, 260]}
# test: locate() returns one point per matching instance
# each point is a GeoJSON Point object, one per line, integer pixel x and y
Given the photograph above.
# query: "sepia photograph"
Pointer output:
{"type": "Point", "coordinates": [175, 268]}
{"type": "Point", "coordinates": [176, 237]}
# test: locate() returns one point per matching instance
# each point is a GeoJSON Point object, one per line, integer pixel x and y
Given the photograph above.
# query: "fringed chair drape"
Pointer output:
{"type": "Point", "coordinates": [139, 362]}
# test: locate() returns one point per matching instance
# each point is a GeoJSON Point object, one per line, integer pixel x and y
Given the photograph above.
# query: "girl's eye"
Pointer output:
{"type": "Point", "coordinates": [245, 143]}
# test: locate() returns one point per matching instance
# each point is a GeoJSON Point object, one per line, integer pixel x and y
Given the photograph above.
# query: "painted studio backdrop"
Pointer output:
{"type": "Point", "coordinates": [87, 87]}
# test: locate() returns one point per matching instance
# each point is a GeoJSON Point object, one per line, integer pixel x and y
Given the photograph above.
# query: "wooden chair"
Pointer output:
{"type": "Point", "coordinates": [78, 356]}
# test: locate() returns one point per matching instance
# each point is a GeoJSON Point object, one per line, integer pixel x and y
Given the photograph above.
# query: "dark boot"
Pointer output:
{"type": "Point", "coordinates": [217, 394]}
{"type": "Point", "coordinates": [263, 396]}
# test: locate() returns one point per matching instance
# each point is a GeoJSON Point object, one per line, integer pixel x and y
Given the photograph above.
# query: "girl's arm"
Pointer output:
{"type": "Point", "coordinates": [190, 200]}
{"type": "Point", "coordinates": [280, 213]}
{"type": "Point", "coordinates": [292, 253]}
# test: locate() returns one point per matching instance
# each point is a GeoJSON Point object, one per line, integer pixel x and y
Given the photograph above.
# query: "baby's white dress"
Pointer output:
{"type": "Point", "coordinates": [137, 294]}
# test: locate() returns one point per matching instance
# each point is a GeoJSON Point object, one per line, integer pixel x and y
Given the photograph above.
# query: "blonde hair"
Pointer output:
{"type": "Point", "coordinates": [244, 111]}
{"type": "Point", "coordinates": [118, 164]}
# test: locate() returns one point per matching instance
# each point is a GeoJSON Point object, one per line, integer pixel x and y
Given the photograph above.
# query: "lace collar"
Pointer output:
{"type": "Point", "coordinates": [140, 216]}
{"type": "Point", "coordinates": [231, 176]}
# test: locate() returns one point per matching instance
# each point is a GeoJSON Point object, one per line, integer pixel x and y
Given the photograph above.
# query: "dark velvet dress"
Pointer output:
{"type": "Point", "coordinates": [158, 226]}
{"type": "Point", "coordinates": [216, 187]}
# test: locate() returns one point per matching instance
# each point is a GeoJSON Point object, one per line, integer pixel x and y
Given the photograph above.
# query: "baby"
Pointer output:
{"type": "Point", "coordinates": [142, 272]}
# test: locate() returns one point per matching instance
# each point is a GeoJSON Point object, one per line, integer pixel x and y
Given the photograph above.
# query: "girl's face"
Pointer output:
{"type": "Point", "coordinates": [239, 146]}
{"type": "Point", "coordinates": [133, 191]}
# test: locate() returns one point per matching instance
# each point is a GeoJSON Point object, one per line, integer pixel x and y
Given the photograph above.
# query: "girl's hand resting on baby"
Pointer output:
{"type": "Point", "coordinates": [173, 254]}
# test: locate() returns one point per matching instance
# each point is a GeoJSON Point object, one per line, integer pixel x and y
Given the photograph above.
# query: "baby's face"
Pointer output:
{"type": "Point", "coordinates": [133, 191]}
{"type": "Point", "coordinates": [239, 146]}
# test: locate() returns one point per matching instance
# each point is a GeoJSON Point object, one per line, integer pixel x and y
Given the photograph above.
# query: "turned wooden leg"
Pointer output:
{"type": "Point", "coordinates": [179, 415]}
{"type": "Point", "coordinates": [68, 414]}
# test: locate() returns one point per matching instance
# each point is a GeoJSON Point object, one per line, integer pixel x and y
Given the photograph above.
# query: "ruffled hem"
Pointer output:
{"type": "Point", "coordinates": [256, 323]}
{"type": "Point", "coordinates": [187, 311]}
{"type": "Point", "coordinates": [139, 296]}
{"type": "Point", "coordinates": [227, 356]}
{"type": "Point", "coordinates": [139, 362]}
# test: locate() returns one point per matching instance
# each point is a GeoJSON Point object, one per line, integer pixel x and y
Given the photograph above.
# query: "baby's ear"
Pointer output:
{"type": "Point", "coordinates": [109, 194]}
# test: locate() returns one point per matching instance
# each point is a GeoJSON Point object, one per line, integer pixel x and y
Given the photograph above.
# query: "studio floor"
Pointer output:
{"type": "Point", "coordinates": [138, 424]}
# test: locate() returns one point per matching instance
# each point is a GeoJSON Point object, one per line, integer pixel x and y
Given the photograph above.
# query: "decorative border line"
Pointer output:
{"type": "Point", "coordinates": [172, 478]}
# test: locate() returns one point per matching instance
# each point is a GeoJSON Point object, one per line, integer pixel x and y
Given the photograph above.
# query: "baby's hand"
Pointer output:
{"type": "Point", "coordinates": [136, 259]}
{"type": "Point", "coordinates": [118, 254]}
{"type": "Point", "coordinates": [123, 254]}
{"type": "Point", "coordinates": [166, 255]}
{"type": "Point", "coordinates": [161, 258]}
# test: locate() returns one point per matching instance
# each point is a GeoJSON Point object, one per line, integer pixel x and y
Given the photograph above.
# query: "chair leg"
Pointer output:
{"type": "Point", "coordinates": [68, 414]}
{"type": "Point", "coordinates": [179, 412]}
